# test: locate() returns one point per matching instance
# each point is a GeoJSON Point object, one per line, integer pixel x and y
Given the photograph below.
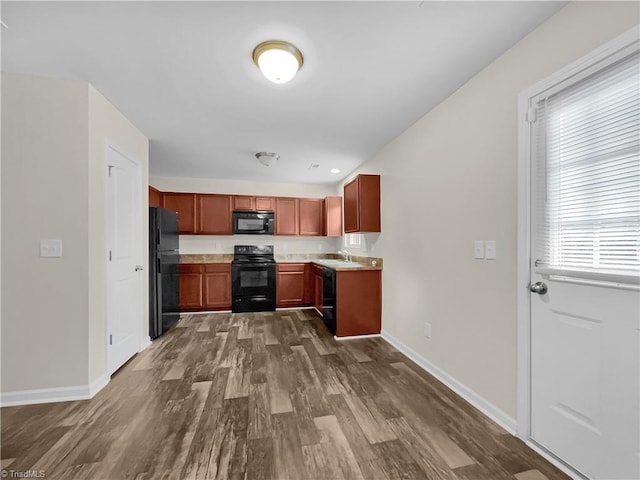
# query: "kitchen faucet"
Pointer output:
{"type": "Point", "coordinates": [346, 256]}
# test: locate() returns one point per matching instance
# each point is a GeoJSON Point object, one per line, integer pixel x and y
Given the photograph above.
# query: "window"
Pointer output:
{"type": "Point", "coordinates": [586, 148]}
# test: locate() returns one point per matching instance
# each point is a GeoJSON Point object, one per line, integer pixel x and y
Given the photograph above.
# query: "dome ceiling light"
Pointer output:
{"type": "Point", "coordinates": [267, 158]}
{"type": "Point", "coordinates": [278, 61]}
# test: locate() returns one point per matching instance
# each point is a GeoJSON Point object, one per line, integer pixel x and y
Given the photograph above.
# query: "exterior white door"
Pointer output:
{"type": "Point", "coordinates": [124, 238]}
{"type": "Point", "coordinates": [585, 261]}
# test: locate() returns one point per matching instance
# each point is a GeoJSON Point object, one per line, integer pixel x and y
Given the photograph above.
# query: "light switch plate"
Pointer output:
{"type": "Point", "coordinates": [491, 249]}
{"type": "Point", "coordinates": [478, 249]}
{"type": "Point", "coordinates": [50, 248]}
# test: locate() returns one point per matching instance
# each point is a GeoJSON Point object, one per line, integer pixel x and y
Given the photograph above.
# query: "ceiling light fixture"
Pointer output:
{"type": "Point", "coordinates": [278, 61]}
{"type": "Point", "coordinates": [335, 170]}
{"type": "Point", "coordinates": [267, 158]}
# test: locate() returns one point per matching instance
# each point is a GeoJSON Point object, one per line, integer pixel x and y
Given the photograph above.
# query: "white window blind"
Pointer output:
{"type": "Point", "coordinates": [586, 148]}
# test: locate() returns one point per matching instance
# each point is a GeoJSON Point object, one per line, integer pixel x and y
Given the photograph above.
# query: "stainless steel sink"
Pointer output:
{"type": "Point", "coordinates": [330, 262]}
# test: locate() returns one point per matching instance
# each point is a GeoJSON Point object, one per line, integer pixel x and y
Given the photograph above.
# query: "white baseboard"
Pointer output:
{"type": "Point", "coordinates": [490, 410]}
{"type": "Point", "coordinates": [50, 395]}
{"type": "Point", "coordinates": [146, 341]}
{"type": "Point", "coordinates": [571, 473]}
{"type": "Point", "coordinates": [357, 337]}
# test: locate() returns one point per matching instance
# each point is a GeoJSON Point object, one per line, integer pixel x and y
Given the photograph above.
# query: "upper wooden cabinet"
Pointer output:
{"type": "Point", "coordinates": [362, 204]}
{"type": "Point", "coordinates": [244, 202]}
{"type": "Point", "coordinates": [310, 216]}
{"type": "Point", "coordinates": [265, 203]}
{"type": "Point", "coordinates": [155, 197]}
{"type": "Point", "coordinates": [214, 215]}
{"type": "Point", "coordinates": [332, 217]}
{"type": "Point", "coordinates": [287, 213]}
{"type": "Point", "coordinates": [184, 204]}
{"type": "Point", "coordinates": [247, 202]}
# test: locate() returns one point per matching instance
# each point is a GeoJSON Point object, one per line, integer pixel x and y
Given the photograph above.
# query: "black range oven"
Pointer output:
{"type": "Point", "coordinates": [253, 272]}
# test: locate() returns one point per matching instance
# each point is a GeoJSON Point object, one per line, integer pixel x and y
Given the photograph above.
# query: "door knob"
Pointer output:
{"type": "Point", "coordinates": [539, 287]}
{"type": "Point", "coordinates": [139, 267]}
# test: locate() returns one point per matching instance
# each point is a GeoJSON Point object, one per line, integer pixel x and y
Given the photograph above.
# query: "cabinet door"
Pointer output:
{"type": "Point", "coordinates": [310, 212]}
{"type": "Point", "coordinates": [217, 286]}
{"type": "Point", "coordinates": [191, 277]}
{"type": "Point", "coordinates": [333, 216]}
{"type": "Point", "coordinates": [214, 215]}
{"type": "Point", "coordinates": [290, 285]}
{"type": "Point", "coordinates": [184, 204]}
{"type": "Point", "coordinates": [286, 216]}
{"type": "Point", "coordinates": [351, 212]}
{"type": "Point", "coordinates": [318, 292]}
{"type": "Point", "coordinates": [266, 203]}
{"type": "Point", "coordinates": [244, 202]}
{"type": "Point", "coordinates": [155, 197]}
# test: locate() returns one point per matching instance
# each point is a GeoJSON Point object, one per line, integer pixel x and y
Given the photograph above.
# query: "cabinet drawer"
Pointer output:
{"type": "Point", "coordinates": [191, 268]}
{"type": "Point", "coordinates": [291, 267]}
{"type": "Point", "coordinates": [217, 268]}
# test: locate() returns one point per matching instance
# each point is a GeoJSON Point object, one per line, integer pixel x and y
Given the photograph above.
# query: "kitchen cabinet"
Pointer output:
{"type": "Point", "coordinates": [287, 214]}
{"type": "Point", "coordinates": [184, 204]}
{"type": "Point", "coordinates": [205, 286]}
{"type": "Point", "coordinates": [155, 197]}
{"type": "Point", "coordinates": [290, 285]}
{"type": "Point", "coordinates": [354, 304]}
{"type": "Point", "coordinates": [244, 202]}
{"type": "Point", "coordinates": [362, 204]}
{"type": "Point", "coordinates": [217, 286]}
{"type": "Point", "coordinates": [214, 214]}
{"type": "Point", "coordinates": [316, 280]}
{"type": "Point", "coordinates": [311, 217]}
{"type": "Point", "coordinates": [247, 202]}
{"type": "Point", "coordinates": [265, 204]}
{"type": "Point", "coordinates": [191, 286]}
{"type": "Point", "coordinates": [332, 217]}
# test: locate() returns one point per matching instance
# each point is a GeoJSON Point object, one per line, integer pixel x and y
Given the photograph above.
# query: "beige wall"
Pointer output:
{"type": "Point", "coordinates": [55, 134]}
{"type": "Point", "coordinates": [108, 126]}
{"type": "Point", "coordinates": [451, 178]}
{"type": "Point", "coordinates": [225, 243]}
{"type": "Point", "coordinates": [44, 196]}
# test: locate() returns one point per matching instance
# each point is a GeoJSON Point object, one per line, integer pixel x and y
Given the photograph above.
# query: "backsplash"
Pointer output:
{"type": "Point", "coordinates": [200, 244]}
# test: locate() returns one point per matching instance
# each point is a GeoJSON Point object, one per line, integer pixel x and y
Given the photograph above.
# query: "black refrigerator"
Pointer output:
{"type": "Point", "coordinates": [164, 294]}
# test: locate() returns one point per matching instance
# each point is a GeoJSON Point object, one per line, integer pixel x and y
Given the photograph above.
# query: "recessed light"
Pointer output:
{"type": "Point", "coordinates": [335, 170]}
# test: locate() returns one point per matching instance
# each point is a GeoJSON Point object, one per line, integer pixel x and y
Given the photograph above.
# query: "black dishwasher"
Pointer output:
{"type": "Point", "coordinates": [329, 298]}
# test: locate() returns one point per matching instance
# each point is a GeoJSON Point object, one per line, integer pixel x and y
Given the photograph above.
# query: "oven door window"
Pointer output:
{"type": "Point", "coordinates": [254, 278]}
{"type": "Point", "coordinates": [251, 224]}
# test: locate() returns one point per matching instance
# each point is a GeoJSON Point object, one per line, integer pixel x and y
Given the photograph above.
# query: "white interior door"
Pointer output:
{"type": "Point", "coordinates": [585, 300]}
{"type": "Point", "coordinates": [124, 238]}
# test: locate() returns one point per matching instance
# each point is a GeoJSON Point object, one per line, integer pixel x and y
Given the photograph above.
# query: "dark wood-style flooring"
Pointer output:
{"type": "Point", "coordinates": [266, 395]}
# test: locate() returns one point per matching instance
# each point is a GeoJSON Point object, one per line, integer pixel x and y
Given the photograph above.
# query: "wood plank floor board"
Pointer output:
{"type": "Point", "coordinates": [268, 395]}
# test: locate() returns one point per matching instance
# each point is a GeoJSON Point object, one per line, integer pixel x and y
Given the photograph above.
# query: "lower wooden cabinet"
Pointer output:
{"type": "Point", "coordinates": [316, 279]}
{"type": "Point", "coordinates": [205, 286]}
{"type": "Point", "coordinates": [296, 286]}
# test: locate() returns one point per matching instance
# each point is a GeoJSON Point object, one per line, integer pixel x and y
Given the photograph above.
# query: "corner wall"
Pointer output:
{"type": "Point", "coordinates": [450, 179]}
{"type": "Point", "coordinates": [108, 126]}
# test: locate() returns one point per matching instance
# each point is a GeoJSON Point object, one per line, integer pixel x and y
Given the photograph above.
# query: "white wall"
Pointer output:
{"type": "Point", "coordinates": [44, 196]}
{"type": "Point", "coordinates": [108, 126]}
{"type": "Point", "coordinates": [55, 134]}
{"type": "Point", "coordinates": [451, 178]}
{"type": "Point", "coordinates": [225, 243]}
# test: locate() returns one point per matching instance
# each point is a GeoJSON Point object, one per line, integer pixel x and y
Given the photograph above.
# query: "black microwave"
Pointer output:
{"type": "Point", "coordinates": [253, 223]}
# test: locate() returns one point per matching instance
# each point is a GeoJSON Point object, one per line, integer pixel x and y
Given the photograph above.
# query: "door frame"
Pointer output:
{"type": "Point", "coordinates": [524, 232]}
{"type": "Point", "coordinates": [142, 340]}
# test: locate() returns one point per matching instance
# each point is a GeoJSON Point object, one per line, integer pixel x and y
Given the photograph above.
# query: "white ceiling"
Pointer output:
{"type": "Point", "coordinates": [182, 73]}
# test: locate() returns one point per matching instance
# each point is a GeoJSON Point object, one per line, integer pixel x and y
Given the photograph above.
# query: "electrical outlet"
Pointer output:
{"type": "Point", "coordinates": [478, 249]}
{"type": "Point", "coordinates": [427, 330]}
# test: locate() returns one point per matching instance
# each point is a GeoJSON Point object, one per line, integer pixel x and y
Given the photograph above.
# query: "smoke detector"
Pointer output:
{"type": "Point", "coordinates": [267, 158]}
